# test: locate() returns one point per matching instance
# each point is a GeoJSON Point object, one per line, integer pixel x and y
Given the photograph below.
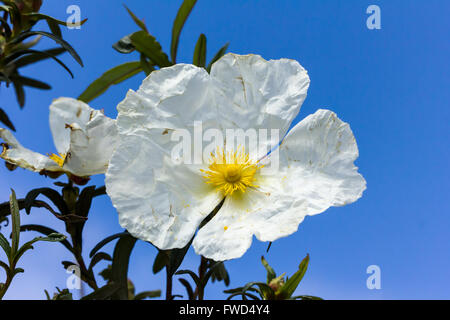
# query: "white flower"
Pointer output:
{"type": "Point", "coordinates": [164, 202]}
{"type": "Point", "coordinates": [84, 139]}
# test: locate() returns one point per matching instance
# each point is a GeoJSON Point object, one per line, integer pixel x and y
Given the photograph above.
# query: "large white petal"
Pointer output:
{"type": "Point", "coordinates": [91, 149]}
{"type": "Point", "coordinates": [63, 112]}
{"type": "Point", "coordinates": [13, 152]}
{"type": "Point", "coordinates": [158, 200]}
{"type": "Point", "coordinates": [254, 93]}
{"type": "Point", "coordinates": [316, 172]}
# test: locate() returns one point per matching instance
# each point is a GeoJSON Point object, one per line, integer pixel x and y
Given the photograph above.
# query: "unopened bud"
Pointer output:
{"type": "Point", "coordinates": [277, 283]}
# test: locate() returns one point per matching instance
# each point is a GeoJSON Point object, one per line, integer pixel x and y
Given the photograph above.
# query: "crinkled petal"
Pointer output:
{"type": "Point", "coordinates": [13, 152]}
{"type": "Point", "coordinates": [316, 172]}
{"type": "Point", "coordinates": [254, 93]}
{"type": "Point", "coordinates": [63, 112]}
{"type": "Point", "coordinates": [158, 200]}
{"type": "Point", "coordinates": [91, 149]}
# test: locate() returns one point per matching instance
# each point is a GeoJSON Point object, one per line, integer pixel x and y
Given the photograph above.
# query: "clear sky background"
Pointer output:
{"type": "Point", "coordinates": [391, 85]}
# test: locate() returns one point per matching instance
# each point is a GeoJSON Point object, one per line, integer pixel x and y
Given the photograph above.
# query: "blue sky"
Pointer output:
{"type": "Point", "coordinates": [391, 85]}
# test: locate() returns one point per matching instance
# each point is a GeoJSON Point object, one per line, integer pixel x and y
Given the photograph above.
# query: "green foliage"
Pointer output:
{"type": "Point", "coordinates": [14, 251]}
{"type": "Point", "coordinates": [275, 288]}
{"type": "Point", "coordinates": [16, 53]}
{"type": "Point", "coordinates": [114, 76]}
{"type": "Point", "coordinates": [180, 20]}
{"type": "Point", "coordinates": [151, 53]}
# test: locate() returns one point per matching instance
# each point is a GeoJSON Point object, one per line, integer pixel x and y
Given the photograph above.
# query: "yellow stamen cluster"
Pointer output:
{"type": "Point", "coordinates": [59, 159]}
{"type": "Point", "coordinates": [231, 171]}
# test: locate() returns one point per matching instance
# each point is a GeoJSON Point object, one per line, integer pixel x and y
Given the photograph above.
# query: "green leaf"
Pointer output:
{"type": "Point", "coordinates": [15, 217]}
{"type": "Point", "coordinates": [97, 258]}
{"type": "Point", "coordinates": [51, 194]}
{"type": "Point", "coordinates": [54, 27]}
{"type": "Point", "coordinates": [220, 273]}
{"type": "Point", "coordinates": [4, 266]}
{"type": "Point", "coordinates": [39, 16]}
{"type": "Point", "coordinates": [263, 289]}
{"type": "Point", "coordinates": [5, 209]}
{"type": "Point", "coordinates": [200, 52]}
{"type": "Point", "coordinates": [29, 82]}
{"type": "Point", "coordinates": [58, 40]}
{"type": "Point", "coordinates": [146, 66]}
{"type": "Point", "coordinates": [124, 45]}
{"type": "Point", "coordinates": [105, 292]}
{"type": "Point", "coordinates": [114, 76]}
{"type": "Point", "coordinates": [270, 272]}
{"type": "Point", "coordinates": [7, 29]}
{"type": "Point", "coordinates": [188, 287]}
{"type": "Point", "coordinates": [287, 290]}
{"type": "Point", "coordinates": [148, 294]}
{"type": "Point", "coordinates": [121, 259]}
{"type": "Point", "coordinates": [5, 245]}
{"type": "Point", "coordinates": [180, 20]}
{"type": "Point", "coordinates": [105, 241]}
{"type": "Point", "coordinates": [176, 257]}
{"type": "Point", "coordinates": [147, 44]}
{"type": "Point", "coordinates": [47, 232]}
{"type": "Point", "coordinates": [53, 237]}
{"type": "Point", "coordinates": [192, 274]}
{"type": "Point", "coordinates": [138, 21]}
{"type": "Point", "coordinates": [38, 56]}
{"type": "Point", "coordinates": [160, 262]}
{"type": "Point", "coordinates": [304, 297]}
{"type": "Point", "coordinates": [5, 120]}
{"type": "Point", "coordinates": [20, 93]}
{"type": "Point", "coordinates": [218, 55]}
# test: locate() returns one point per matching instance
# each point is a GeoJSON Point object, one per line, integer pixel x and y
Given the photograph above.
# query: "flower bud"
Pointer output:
{"type": "Point", "coordinates": [276, 283]}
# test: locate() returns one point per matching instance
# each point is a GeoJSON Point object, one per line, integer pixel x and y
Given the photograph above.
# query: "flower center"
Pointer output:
{"type": "Point", "coordinates": [59, 159]}
{"type": "Point", "coordinates": [232, 171]}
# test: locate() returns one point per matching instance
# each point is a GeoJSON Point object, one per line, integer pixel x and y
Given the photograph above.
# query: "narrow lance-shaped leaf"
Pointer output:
{"type": "Point", "coordinates": [148, 294]}
{"type": "Point", "coordinates": [287, 290]}
{"type": "Point", "coordinates": [146, 66]}
{"type": "Point", "coordinates": [20, 93]}
{"type": "Point", "coordinates": [180, 20]}
{"type": "Point", "coordinates": [58, 40]}
{"type": "Point", "coordinates": [51, 194]}
{"type": "Point", "coordinates": [114, 76]}
{"type": "Point", "coordinates": [39, 16]}
{"type": "Point", "coordinates": [147, 44]}
{"type": "Point", "coordinates": [138, 21]}
{"type": "Point", "coordinates": [200, 52]}
{"type": "Point", "coordinates": [35, 56]}
{"type": "Point", "coordinates": [5, 120]}
{"type": "Point", "coordinates": [218, 55]}
{"type": "Point", "coordinates": [15, 217]}
{"type": "Point", "coordinates": [29, 82]}
{"type": "Point", "coordinates": [53, 237]}
{"type": "Point", "coordinates": [5, 245]}
{"type": "Point", "coordinates": [105, 241]}
{"type": "Point", "coordinates": [270, 272]}
{"type": "Point", "coordinates": [121, 259]}
{"type": "Point", "coordinates": [47, 232]}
